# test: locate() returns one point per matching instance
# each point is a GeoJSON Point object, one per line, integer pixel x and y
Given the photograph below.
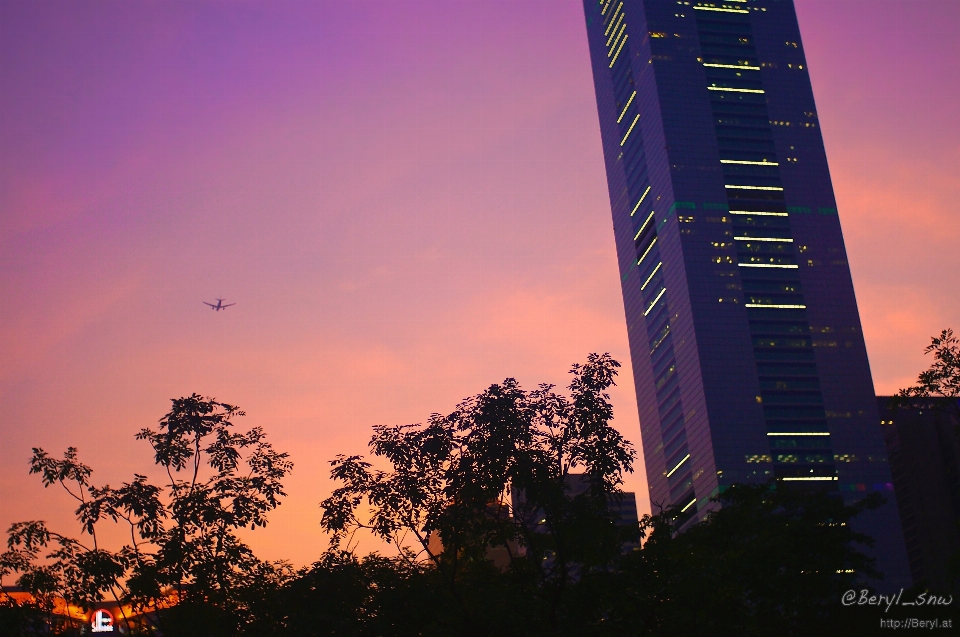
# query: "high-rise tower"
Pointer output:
{"type": "Point", "coordinates": [747, 351]}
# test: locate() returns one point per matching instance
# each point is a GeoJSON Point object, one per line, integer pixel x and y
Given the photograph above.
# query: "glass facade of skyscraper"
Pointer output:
{"type": "Point", "coordinates": [747, 351]}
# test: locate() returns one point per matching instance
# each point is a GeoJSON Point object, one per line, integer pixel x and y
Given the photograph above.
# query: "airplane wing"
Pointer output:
{"type": "Point", "coordinates": [210, 304]}
{"type": "Point", "coordinates": [227, 305]}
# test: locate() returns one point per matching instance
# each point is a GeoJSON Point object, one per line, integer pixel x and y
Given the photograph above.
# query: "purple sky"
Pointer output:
{"type": "Point", "coordinates": [407, 202]}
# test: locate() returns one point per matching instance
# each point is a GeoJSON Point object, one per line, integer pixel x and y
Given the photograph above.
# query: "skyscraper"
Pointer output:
{"type": "Point", "coordinates": [745, 339]}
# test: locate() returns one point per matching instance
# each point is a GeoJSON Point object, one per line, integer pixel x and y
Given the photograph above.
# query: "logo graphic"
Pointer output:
{"type": "Point", "coordinates": [102, 621]}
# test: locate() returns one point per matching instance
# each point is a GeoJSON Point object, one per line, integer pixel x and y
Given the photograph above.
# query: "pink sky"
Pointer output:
{"type": "Point", "coordinates": [407, 202]}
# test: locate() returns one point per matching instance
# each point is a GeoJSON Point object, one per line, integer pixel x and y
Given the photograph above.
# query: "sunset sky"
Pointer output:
{"type": "Point", "coordinates": [405, 199]}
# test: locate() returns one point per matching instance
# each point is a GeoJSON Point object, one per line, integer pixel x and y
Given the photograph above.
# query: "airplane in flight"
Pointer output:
{"type": "Point", "coordinates": [219, 306]}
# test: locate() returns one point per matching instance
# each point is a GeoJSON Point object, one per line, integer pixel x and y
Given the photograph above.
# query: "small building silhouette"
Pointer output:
{"type": "Point", "coordinates": [923, 444]}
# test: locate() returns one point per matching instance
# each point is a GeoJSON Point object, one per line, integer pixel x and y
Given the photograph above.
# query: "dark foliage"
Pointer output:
{"type": "Point", "coordinates": [938, 386]}
{"type": "Point", "coordinates": [502, 537]}
{"type": "Point", "coordinates": [184, 559]}
{"type": "Point", "coordinates": [497, 472]}
{"type": "Point", "coordinates": [769, 559]}
{"type": "Point", "coordinates": [766, 561]}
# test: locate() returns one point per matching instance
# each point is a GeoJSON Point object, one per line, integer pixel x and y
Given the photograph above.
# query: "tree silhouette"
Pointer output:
{"type": "Point", "coordinates": [939, 385]}
{"type": "Point", "coordinates": [769, 558]}
{"type": "Point", "coordinates": [183, 549]}
{"type": "Point", "coordinates": [496, 472]}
